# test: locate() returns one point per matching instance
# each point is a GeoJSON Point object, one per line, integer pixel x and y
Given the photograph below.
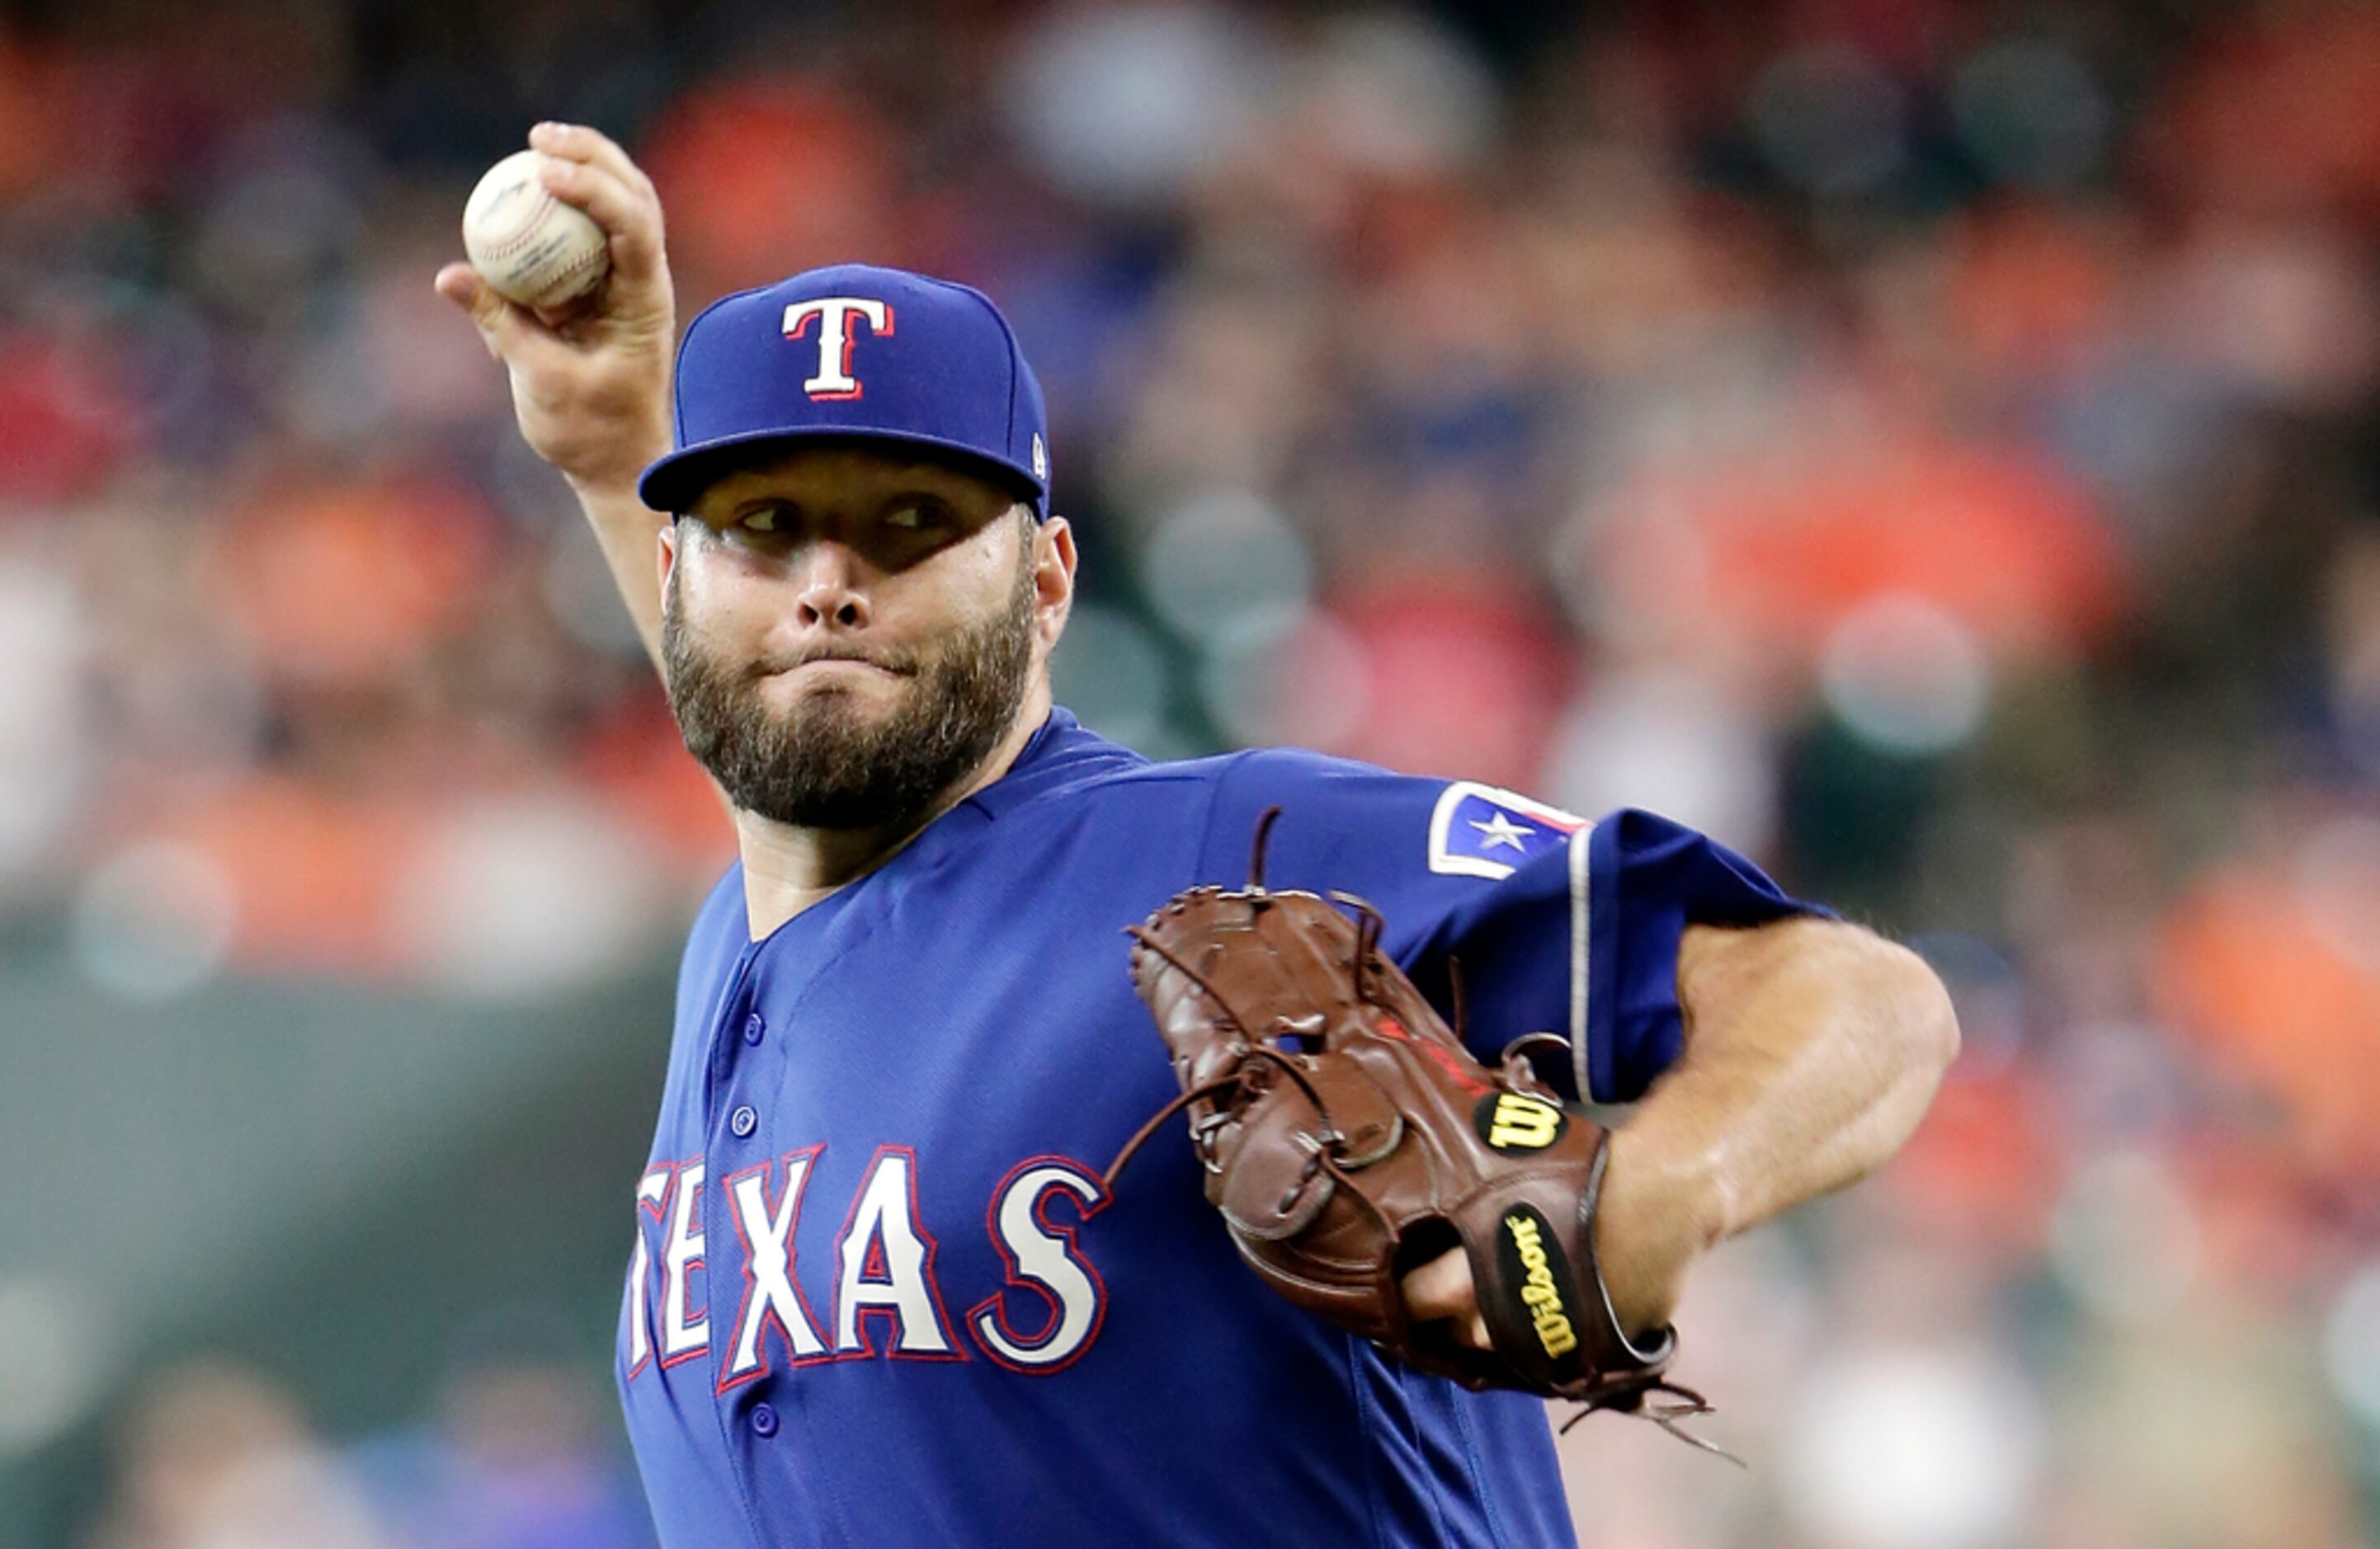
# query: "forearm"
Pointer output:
{"type": "Point", "coordinates": [1811, 1051]}
{"type": "Point", "coordinates": [627, 531]}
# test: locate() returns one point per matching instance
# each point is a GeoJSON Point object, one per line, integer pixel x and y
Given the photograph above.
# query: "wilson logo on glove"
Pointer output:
{"type": "Point", "coordinates": [1512, 1121]}
{"type": "Point", "coordinates": [1546, 1293]}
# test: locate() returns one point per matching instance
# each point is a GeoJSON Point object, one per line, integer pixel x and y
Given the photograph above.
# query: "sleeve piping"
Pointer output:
{"type": "Point", "coordinates": [1581, 912]}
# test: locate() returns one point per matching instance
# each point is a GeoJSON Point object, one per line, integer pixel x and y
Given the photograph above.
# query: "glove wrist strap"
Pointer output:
{"type": "Point", "coordinates": [1664, 1342]}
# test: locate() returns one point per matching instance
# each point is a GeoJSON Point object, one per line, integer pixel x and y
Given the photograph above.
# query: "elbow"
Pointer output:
{"type": "Point", "coordinates": [1923, 1026]}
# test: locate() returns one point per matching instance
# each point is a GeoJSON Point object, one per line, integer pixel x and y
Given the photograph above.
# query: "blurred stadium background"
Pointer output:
{"type": "Point", "coordinates": [1933, 445]}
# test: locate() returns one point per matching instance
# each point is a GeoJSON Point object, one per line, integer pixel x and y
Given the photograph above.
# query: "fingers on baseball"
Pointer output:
{"type": "Point", "coordinates": [630, 221]}
{"type": "Point", "coordinates": [1441, 1290]}
{"type": "Point", "coordinates": [590, 171]}
{"type": "Point", "coordinates": [576, 142]}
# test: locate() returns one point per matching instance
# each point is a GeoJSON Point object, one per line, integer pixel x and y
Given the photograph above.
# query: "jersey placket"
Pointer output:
{"type": "Point", "coordinates": [757, 1413]}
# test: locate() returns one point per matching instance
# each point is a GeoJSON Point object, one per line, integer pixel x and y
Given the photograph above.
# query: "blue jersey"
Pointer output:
{"type": "Point", "coordinates": [878, 1294]}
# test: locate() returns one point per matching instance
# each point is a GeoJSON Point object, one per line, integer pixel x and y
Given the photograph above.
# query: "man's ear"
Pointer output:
{"type": "Point", "coordinates": [1053, 575]}
{"type": "Point", "coordinates": [665, 556]}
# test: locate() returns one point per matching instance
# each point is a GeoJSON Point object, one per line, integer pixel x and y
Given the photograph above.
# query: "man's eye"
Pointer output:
{"type": "Point", "coordinates": [909, 518]}
{"type": "Point", "coordinates": [760, 521]}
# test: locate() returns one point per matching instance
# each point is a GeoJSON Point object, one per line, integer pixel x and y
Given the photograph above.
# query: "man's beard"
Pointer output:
{"type": "Point", "coordinates": [826, 765]}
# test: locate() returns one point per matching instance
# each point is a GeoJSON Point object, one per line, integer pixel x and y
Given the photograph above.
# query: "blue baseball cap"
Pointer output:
{"type": "Point", "coordinates": [854, 350]}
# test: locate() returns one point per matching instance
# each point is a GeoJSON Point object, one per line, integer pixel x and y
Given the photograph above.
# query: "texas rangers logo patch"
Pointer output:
{"type": "Point", "coordinates": [1481, 830]}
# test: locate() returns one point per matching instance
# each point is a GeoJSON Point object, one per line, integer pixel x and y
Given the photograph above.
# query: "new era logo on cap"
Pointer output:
{"type": "Point", "coordinates": [853, 351]}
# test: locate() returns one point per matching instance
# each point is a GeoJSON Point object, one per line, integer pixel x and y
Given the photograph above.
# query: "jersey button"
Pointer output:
{"type": "Point", "coordinates": [744, 1120]}
{"type": "Point", "coordinates": [764, 1421]}
{"type": "Point", "coordinates": [754, 1028]}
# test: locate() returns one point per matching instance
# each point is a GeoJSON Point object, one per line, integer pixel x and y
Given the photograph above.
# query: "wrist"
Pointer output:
{"type": "Point", "coordinates": [606, 486]}
{"type": "Point", "coordinates": [602, 442]}
{"type": "Point", "coordinates": [614, 478]}
{"type": "Point", "coordinates": [1655, 1217]}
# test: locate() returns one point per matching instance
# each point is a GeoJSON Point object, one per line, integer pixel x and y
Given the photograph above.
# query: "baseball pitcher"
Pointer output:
{"type": "Point", "coordinates": [887, 1285]}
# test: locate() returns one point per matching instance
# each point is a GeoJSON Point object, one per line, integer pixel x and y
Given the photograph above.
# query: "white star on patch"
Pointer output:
{"type": "Point", "coordinates": [1499, 829]}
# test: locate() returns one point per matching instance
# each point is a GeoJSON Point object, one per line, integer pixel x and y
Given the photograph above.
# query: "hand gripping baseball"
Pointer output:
{"type": "Point", "coordinates": [590, 380]}
{"type": "Point", "coordinates": [1348, 1135]}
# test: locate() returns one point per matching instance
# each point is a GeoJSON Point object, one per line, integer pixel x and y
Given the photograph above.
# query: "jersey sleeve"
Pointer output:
{"type": "Point", "coordinates": [1557, 923]}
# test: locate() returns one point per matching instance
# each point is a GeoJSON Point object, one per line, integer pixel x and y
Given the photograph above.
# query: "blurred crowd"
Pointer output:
{"type": "Point", "coordinates": [1934, 447]}
{"type": "Point", "coordinates": [219, 1455]}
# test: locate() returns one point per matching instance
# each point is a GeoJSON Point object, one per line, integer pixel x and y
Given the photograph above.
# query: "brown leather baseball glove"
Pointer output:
{"type": "Point", "coordinates": [1348, 1136]}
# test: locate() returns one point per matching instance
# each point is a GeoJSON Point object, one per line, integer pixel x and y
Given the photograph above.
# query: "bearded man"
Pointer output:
{"type": "Point", "coordinates": [879, 1292]}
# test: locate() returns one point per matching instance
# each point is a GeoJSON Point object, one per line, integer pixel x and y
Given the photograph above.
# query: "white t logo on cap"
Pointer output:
{"type": "Point", "coordinates": [834, 379]}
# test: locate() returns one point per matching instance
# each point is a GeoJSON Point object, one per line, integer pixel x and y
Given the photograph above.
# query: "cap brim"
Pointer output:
{"type": "Point", "coordinates": [673, 483]}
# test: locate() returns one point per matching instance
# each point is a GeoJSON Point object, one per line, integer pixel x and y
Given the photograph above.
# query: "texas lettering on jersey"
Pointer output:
{"type": "Point", "coordinates": [883, 1270]}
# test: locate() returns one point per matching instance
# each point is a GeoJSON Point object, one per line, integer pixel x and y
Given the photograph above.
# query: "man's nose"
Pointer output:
{"type": "Point", "coordinates": [831, 596]}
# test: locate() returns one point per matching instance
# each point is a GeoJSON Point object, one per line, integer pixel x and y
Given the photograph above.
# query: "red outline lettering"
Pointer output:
{"type": "Point", "coordinates": [667, 1173]}
{"type": "Point", "coordinates": [994, 1307]}
{"type": "Point", "coordinates": [954, 1349]}
{"type": "Point", "coordinates": [808, 1154]}
{"type": "Point", "coordinates": [700, 1261]}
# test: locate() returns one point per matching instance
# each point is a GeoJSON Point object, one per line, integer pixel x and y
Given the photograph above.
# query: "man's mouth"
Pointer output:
{"type": "Point", "coordinates": [833, 661]}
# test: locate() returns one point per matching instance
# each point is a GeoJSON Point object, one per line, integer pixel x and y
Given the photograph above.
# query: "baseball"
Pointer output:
{"type": "Point", "coordinates": [529, 245]}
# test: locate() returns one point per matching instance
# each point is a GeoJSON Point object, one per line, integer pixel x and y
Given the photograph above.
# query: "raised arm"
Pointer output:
{"type": "Point", "coordinates": [592, 385]}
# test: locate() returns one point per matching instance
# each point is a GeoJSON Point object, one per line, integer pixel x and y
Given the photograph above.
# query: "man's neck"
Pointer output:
{"type": "Point", "coordinates": [787, 868]}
